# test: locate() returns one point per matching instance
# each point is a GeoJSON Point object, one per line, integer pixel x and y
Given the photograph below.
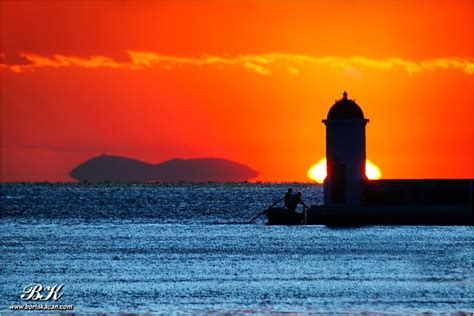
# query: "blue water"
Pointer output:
{"type": "Point", "coordinates": [184, 249]}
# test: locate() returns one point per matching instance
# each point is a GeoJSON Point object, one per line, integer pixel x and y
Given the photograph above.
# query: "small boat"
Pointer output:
{"type": "Point", "coordinates": [281, 216]}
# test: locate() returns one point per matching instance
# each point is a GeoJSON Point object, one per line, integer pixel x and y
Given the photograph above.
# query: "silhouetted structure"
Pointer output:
{"type": "Point", "coordinates": [351, 199]}
{"type": "Point", "coordinates": [107, 168]}
{"type": "Point", "coordinates": [345, 153]}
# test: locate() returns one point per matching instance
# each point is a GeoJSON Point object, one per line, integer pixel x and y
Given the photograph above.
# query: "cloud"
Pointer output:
{"type": "Point", "coordinates": [61, 61]}
{"type": "Point", "coordinates": [256, 68]}
{"type": "Point", "coordinates": [262, 64]}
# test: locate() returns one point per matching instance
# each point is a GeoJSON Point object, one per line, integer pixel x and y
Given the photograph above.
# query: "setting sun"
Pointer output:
{"type": "Point", "coordinates": [318, 171]}
{"type": "Point", "coordinates": [372, 171]}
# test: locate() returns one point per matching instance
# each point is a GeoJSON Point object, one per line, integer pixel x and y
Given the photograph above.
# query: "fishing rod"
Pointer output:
{"type": "Point", "coordinates": [262, 212]}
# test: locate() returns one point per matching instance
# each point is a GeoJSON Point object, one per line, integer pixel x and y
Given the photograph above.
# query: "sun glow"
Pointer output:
{"type": "Point", "coordinates": [372, 171]}
{"type": "Point", "coordinates": [317, 172]}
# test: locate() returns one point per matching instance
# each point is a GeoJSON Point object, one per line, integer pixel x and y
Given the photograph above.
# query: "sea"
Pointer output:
{"type": "Point", "coordinates": [189, 249]}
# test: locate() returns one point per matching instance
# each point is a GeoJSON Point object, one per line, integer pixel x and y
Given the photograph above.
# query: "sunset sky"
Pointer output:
{"type": "Point", "coordinates": [248, 81]}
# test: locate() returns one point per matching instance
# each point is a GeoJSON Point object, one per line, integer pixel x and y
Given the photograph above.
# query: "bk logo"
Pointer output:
{"type": "Point", "coordinates": [36, 292]}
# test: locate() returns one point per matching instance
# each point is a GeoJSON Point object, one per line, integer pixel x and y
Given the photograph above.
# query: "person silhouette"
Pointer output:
{"type": "Point", "coordinates": [293, 202]}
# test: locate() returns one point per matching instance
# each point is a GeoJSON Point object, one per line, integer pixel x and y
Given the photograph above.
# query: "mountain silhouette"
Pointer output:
{"type": "Point", "coordinates": [122, 169]}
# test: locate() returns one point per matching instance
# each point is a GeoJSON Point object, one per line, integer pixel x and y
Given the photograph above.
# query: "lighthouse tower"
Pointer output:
{"type": "Point", "coordinates": [345, 153]}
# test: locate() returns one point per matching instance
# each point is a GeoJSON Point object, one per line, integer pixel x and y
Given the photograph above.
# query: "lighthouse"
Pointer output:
{"type": "Point", "coordinates": [345, 153]}
{"type": "Point", "coordinates": [350, 199]}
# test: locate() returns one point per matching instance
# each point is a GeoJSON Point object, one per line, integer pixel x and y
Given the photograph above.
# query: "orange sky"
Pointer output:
{"type": "Point", "coordinates": [243, 80]}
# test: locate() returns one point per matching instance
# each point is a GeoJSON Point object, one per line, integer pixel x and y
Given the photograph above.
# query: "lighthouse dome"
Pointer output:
{"type": "Point", "coordinates": [345, 109]}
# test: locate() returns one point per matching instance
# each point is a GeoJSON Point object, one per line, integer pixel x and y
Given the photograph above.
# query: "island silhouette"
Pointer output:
{"type": "Point", "coordinates": [109, 168]}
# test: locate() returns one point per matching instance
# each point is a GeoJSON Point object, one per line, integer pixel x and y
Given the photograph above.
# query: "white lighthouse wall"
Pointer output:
{"type": "Point", "coordinates": [345, 144]}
